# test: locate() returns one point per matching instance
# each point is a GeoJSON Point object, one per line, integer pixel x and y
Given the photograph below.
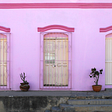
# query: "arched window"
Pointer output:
{"type": "Point", "coordinates": [4, 58]}
{"type": "Point", "coordinates": [108, 59]}
{"type": "Point", "coordinates": [108, 55]}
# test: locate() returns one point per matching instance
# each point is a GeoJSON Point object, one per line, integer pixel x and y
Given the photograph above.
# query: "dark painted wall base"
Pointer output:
{"type": "Point", "coordinates": [29, 104]}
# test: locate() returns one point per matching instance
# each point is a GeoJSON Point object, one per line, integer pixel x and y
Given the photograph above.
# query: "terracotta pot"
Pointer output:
{"type": "Point", "coordinates": [97, 88]}
{"type": "Point", "coordinates": [24, 86]}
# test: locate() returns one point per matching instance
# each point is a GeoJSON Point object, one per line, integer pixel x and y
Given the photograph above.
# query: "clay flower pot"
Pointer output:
{"type": "Point", "coordinates": [24, 86]}
{"type": "Point", "coordinates": [97, 88]}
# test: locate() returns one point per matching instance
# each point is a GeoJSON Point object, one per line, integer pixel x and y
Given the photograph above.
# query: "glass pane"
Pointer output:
{"type": "Point", "coordinates": [49, 58]}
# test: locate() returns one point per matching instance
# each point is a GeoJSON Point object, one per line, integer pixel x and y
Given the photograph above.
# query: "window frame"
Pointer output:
{"type": "Point", "coordinates": [8, 86]}
{"type": "Point", "coordinates": [69, 58]}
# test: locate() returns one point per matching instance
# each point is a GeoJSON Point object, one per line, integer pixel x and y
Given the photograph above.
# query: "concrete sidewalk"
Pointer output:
{"type": "Point", "coordinates": [107, 93]}
{"type": "Point", "coordinates": [52, 101]}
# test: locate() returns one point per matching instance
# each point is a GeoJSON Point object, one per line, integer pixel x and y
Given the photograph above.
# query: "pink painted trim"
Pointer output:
{"type": "Point", "coordinates": [106, 29]}
{"type": "Point", "coordinates": [50, 27]}
{"type": "Point", "coordinates": [54, 5]}
{"type": "Point", "coordinates": [4, 29]}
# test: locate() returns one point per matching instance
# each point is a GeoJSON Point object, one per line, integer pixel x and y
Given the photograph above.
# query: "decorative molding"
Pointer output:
{"type": "Point", "coordinates": [54, 5]}
{"type": "Point", "coordinates": [4, 29]}
{"type": "Point", "coordinates": [106, 29]}
{"type": "Point", "coordinates": [51, 27]}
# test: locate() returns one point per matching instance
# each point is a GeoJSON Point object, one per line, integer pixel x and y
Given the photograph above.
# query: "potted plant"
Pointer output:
{"type": "Point", "coordinates": [25, 85]}
{"type": "Point", "coordinates": [95, 74]}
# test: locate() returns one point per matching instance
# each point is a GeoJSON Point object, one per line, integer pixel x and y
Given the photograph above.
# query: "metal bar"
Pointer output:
{"type": "Point", "coordinates": [55, 62]}
{"type": "Point", "coordinates": [62, 52]}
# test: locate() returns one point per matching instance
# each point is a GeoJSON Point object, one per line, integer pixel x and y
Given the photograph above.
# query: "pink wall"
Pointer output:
{"type": "Point", "coordinates": [88, 44]}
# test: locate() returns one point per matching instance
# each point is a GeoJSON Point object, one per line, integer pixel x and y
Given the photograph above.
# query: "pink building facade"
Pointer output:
{"type": "Point", "coordinates": [68, 38]}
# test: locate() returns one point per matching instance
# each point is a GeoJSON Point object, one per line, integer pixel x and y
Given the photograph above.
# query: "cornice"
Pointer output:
{"type": "Point", "coordinates": [4, 29]}
{"type": "Point", "coordinates": [51, 27]}
{"type": "Point", "coordinates": [54, 5]}
{"type": "Point", "coordinates": [106, 29]}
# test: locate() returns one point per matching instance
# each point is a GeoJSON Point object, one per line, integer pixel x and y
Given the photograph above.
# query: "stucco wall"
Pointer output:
{"type": "Point", "coordinates": [88, 44]}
